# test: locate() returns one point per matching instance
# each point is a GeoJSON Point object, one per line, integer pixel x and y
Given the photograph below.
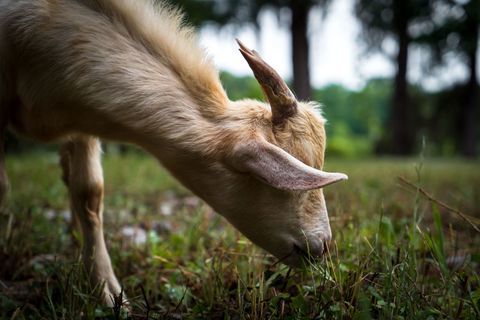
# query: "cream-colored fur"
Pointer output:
{"type": "Point", "coordinates": [128, 70]}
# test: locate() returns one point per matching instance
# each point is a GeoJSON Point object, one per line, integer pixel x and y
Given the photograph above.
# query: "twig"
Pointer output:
{"type": "Point", "coordinates": [474, 222]}
{"type": "Point", "coordinates": [181, 300]}
{"type": "Point", "coordinates": [147, 305]}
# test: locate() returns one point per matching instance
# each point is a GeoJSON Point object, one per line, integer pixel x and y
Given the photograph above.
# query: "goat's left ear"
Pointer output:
{"type": "Point", "coordinates": [279, 169]}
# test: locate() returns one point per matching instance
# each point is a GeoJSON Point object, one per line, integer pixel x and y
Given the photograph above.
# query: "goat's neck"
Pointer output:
{"type": "Point", "coordinates": [190, 146]}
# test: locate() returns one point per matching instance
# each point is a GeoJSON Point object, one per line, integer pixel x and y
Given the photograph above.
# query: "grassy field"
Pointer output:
{"type": "Point", "coordinates": [395, 255]}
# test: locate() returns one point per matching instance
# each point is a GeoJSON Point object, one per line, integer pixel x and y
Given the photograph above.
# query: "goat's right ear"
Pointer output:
{"type": "Point", "coordinates": [279, 169]}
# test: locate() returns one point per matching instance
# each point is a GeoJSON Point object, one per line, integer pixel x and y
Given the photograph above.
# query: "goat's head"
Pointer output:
{"type": "Point", "coordinates": [283, 207]}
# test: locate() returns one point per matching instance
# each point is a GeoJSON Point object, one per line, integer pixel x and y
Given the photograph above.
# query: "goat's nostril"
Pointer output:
{"type": "Point", "coordinates": [325, 247]}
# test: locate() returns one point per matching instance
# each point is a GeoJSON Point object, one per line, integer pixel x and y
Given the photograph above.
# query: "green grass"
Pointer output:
{"type": "Point", "coordinates": [395, 255]}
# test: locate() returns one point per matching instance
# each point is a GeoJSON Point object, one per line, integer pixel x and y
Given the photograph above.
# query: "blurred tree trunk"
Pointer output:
{"type": "Point", "coordinates": [300, 54]}
{"type": "Point", "coordinates": [400, 121]}
{"type": "Point", "coordinates": [469, 112]}
{"type": "Point", "coordinates": [227, 11]}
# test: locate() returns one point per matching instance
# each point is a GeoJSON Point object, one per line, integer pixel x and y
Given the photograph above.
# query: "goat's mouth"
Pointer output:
{"type": "Point", "coordinates": [298, 257]}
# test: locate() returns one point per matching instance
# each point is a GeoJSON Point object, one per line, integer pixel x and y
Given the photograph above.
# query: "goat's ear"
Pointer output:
{"type": "Point", "coordinates": [279, 169]}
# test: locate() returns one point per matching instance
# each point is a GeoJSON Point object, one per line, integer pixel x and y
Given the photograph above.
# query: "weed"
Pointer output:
{"type": "Point", "coordinates": [400, 250]}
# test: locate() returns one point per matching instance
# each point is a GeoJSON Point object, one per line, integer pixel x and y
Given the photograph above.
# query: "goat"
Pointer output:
{"type": "Point", "coordinates": [75, 71]}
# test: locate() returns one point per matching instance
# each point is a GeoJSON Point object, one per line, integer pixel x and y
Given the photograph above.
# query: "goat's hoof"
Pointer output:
{"type": "Point", "coordinates": [117, 302]}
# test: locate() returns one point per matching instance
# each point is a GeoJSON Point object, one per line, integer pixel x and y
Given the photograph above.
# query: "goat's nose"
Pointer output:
{"type": "Point", "coordinates": [326, 239]}
{"type": "Point", "coordinates": [320, 244]}
{"type": "Point", "coordinates": [315, 247]}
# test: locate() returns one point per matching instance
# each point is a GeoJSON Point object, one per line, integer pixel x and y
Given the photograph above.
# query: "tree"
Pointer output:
{"type": "Point", "coordinates": [247, 12]}
{"type": "Point", "coordinates": [383, 20]}
{"type": "Point", "coordinates": [470, 36]}
{"type": "Point", "coordinates": [456, 30]}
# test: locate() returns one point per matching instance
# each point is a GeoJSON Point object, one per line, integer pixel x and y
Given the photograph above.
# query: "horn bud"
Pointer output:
{"type": "Point", "coordinates": [282, 101]}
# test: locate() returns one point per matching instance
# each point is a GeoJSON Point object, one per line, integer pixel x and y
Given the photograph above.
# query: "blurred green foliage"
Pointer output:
{"type": "Point", "coordinates": [355, 119]}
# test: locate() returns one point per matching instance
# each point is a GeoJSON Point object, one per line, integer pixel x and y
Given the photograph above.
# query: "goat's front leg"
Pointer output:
{"type": "Point", "coordinates": [82, 173]}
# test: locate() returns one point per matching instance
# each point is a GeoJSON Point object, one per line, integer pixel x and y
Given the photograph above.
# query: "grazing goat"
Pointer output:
{"type": "Point", "coordinates": [128, 70]}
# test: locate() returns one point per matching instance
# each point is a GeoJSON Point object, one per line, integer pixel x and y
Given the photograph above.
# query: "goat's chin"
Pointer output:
{"type": "Point", "coordinates": [298, 258]}
{"type": "Point", "coordinates": [291, 259]}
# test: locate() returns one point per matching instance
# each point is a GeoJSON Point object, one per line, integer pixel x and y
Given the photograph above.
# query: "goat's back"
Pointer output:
{"type": "Point", "coordinates": [69, 57]}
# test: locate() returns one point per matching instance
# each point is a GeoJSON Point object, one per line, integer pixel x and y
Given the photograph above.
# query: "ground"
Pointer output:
{"type": "Point", "coordinates": [395, 254]}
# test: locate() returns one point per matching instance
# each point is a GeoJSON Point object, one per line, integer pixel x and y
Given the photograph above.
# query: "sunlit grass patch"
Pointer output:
{"type": "Point", "coordinates": [394, 254]}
